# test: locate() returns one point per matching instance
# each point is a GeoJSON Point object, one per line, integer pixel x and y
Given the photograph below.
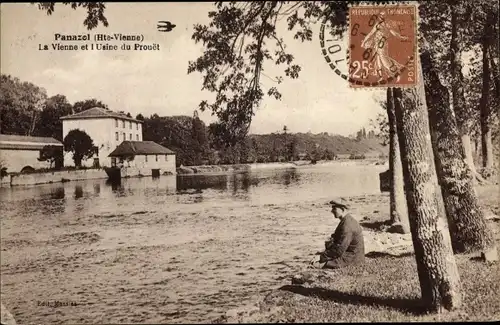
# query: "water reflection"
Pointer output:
{"type": "Point", "coordinates": [259, 186]}
{"type": "Point", "coordinates": [57, 193]}
{"type": "Point", "coordinates": [288, 177]}
{"type": "Point", "coordinates": [188, 184]}
{"type": "Point", "coordinates": [97, 189]}
{"type": "Point", "coordinates": [238, 184]}
{"type": "Point", "coordinates": [116, 185]}
{"type": "Point", "coordinates": [78, 191]}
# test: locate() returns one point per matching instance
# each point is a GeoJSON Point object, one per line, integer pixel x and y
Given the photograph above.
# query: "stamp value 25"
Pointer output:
{"type": "Point", "coordinates": [383, 46]}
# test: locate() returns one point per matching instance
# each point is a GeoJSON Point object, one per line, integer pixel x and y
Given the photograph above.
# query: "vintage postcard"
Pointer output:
{"type": "Point", "coordinates": [249, 162]}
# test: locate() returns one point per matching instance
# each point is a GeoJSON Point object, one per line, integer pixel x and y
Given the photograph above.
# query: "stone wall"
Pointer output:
{"type": "Point", "coordinates": [54, 177]}
{"type": "Point", "coordinates": [16, 160]}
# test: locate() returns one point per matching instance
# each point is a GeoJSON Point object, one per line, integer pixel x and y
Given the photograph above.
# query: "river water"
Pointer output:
{"type": "Point", "coordinates": [172, 249]}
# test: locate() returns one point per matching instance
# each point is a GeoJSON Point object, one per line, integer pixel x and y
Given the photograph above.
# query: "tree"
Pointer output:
{"type": "Point", "coordinates": [488, 41]}
{"type": "Point", "coordinates": [51, 154]}
{"type": "Point", "coordinates": [139, 117]}
{"type": "Point", "coordinates": [436, 267]}
{"type": "Point", "coordinates": [49, 123]}
{"type": "Point", "coordinates": [95, 11]}
{"type": "Point", "coordinates": [468, 228]}
{"type": "Point", "coordinates": [359, 135]}
{"type": "Point", "coordinates": [382, 125]}
{"type": "Point", "coordinates": [467, 225]}
{"type": "Point", "coordinates": [84, 105]}
{"type": "Point", "coordinates": [80, 144]}
{"type": "Point", "coordinates": [20, 105]}
{"type": "Point", "coordinates": [244, 152]}
{"type": "Point", "coordinates": [200, 139]}
{"type": "Point", "coordinates": [292, 149]}
{"type": "Point", "coordinates": [254, 150]}
{"type": "Point", "coordinates": [456, 24]}
{"type": "Point", "coordinates": [328, 155]}
{"type": "Point", "coordinates": [398, 207]}
{"type": "Point", "coordinates": [469, 22]}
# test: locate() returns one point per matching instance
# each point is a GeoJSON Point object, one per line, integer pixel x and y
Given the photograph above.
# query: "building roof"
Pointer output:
{"type": "Point", "coordinates": [8, 141]}
{"type": "Point", "coordinates": [98, 112]}
{"type": "Point", "coordinates": [132, 148]}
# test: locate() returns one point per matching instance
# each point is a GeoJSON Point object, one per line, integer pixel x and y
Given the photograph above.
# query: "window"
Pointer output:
{"type": "Point", "coordinates": [123, 123]}
{"type": "Point", "coordinates": [146, 158]}
{"type": "Point", "coordinates": [124, 137]}
{"type": "Point", "coordinates": [117, 136]}
{"type": "Point", "coordinates": [130, 136]}
{"type": "Point", "coordinates": [156, 157]}
{"type": "Point", "coordinates": [166, 157]}
{"type": "Point", "coordinates": [113, 162]}
{"type": "Point", "coordinates": [116, 124]}
{"type": "Point", "coordinates": [137, 137]}
{"type": "Point", "coordinates": [137, 126]}
{"type": "Point", "coordinates": [130, 125]}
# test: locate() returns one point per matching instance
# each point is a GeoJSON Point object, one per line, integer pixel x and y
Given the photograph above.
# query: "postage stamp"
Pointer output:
{"type": "Point", "coordinates": [382, 45]}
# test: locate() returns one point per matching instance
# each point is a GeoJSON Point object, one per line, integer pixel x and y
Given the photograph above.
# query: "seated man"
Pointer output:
{"type": "Point", "coordinates": [345, 246]}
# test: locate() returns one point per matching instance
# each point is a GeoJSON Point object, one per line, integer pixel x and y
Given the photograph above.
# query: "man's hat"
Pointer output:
{"type": "Point", "coordinates": [339, 203]}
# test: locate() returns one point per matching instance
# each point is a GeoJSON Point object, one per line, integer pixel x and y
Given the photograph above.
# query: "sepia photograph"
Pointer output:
{"type": "Point", "coordinates": [249, 162]}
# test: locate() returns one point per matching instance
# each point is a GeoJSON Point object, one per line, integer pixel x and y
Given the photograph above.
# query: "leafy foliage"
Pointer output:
{"type": "Point", "coordinates": [80, 144]}
{"type": "Point", "coordinates": [200, 139]}
{"type": "Point", "coordinates": [84, 105]}
{"type": "Point", "coordinates": [20, 104]}
{"type": "Point", "coordinates": [237, 44]}
{"type": "Point", "coordinates": [179, 133]}
{"type": "Point", "coordinates": [52, 154]}
{"type": "Point", "coordinates": [452, 28]}
{"type": "Point", "coordinates": [95, 11]}
{"type": "Point", "coordinates": [49, 124]}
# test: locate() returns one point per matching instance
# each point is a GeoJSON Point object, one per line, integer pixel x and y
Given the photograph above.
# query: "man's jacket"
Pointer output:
{"type": "Point", "coordinates": [346, 245]}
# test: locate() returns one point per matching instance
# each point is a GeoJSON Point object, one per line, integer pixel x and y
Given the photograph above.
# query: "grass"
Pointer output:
{"type": "Point", "coordinates": [386, 288]}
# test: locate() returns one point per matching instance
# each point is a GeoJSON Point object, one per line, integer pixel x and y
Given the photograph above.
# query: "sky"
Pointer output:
{"type": "Point", "coordinates": [151, 82]}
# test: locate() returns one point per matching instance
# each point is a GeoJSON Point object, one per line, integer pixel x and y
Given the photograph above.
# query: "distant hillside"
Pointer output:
{"type": "Point", "coordinates": [195, 144]}
{"type": "Point", "coordinates": [308, 142]}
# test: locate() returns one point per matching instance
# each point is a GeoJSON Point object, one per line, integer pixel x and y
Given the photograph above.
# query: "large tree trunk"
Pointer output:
{"type": "Point", "coordinates": [6, 316]}
{"type": "Point", "coordinates": [484, 108]}
{"type": "Point", "coordinates": [495, 74]}
{"type": "Point", "coordinates": [458, 97]}
{"type": "Point", "coordinates": [436, 266]}
{"type": "Point", "coordinates": [399, 210]}
{"type": "Point", "coordinates": [468, 228]}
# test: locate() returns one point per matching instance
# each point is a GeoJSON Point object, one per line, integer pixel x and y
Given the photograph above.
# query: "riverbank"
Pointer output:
{"type": "Point", "coordinates": [207, 169]}
{"type": "Point", "coordinates": [51, 177]}
{"type": "Point", "coordinates": [385, 289]}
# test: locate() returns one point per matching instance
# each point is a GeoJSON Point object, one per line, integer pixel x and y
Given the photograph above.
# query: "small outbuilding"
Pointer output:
{"type": "Point", "coordinates": [146, 157]}
{"type": "Point", "coordinates": [19, 153]}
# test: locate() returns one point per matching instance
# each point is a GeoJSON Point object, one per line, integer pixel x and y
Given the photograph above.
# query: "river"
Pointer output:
{"type": "Point", "coordinates": [172, 249]}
